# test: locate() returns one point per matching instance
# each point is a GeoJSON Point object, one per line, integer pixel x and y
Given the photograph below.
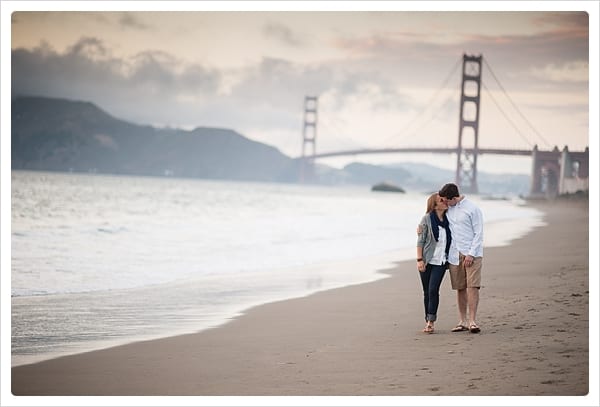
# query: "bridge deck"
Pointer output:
{"type": "Point", "coordinates": [423, 150]}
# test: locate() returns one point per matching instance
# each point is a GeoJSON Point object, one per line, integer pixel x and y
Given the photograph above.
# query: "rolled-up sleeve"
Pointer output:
{"type": "Point", "coordinates": [422, 237]}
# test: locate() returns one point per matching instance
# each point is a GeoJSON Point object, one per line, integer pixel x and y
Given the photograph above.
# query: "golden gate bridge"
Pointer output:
{"type": "Point", "coordinates": [553, 171]}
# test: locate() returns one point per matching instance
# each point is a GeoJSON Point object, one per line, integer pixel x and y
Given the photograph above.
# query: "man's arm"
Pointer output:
{"type": "Point", "coordinates": [477, 225]}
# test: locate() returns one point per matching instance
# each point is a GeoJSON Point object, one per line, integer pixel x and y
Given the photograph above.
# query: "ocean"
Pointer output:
{"type": "Point", "coordinates": [99, 260]}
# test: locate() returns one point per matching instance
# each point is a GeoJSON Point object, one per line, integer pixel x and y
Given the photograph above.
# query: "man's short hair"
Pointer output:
{"type": "Point", "coordinates": [449, 191]}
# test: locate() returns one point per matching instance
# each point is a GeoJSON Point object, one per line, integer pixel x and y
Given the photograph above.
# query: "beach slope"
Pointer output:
{"type": "Point", "coordinates": [366, 339]}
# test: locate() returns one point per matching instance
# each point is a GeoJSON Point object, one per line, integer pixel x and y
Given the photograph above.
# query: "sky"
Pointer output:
{"type": "Point", "coordinates": [384, 79]}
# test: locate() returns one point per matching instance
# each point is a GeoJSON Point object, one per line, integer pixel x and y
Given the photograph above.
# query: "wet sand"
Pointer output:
{"type": "Point", "coordinates": [366, 339]}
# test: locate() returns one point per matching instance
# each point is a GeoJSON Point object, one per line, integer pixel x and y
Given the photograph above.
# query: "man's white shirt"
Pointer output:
{"type": "Point", "coordinates": [466, 225]}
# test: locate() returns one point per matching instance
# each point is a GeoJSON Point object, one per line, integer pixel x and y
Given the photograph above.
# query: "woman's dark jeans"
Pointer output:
{"type": "Point", "coordinates": [431, 279]}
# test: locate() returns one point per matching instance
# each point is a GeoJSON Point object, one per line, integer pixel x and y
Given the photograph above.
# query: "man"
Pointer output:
{"type": "Point", "coordinates": [466, 256]}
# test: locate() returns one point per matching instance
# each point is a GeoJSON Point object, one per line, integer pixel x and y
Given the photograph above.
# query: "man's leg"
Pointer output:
{"type": "Point", "coordinates": [458, 280]}
{"type": "Point", "coordinates": [473, 284]}
{"type": "Point", "coordinates": [473, 300]}
{"type": "Point", "coordinates": [461, 297]}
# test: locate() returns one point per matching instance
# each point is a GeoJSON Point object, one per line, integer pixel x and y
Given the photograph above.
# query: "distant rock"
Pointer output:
{"type": "Point", "coordinates": [387, 187]}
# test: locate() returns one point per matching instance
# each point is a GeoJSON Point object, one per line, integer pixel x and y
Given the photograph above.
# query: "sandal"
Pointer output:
{"type": "Point", "coordinates": [428, 329]}
{"type": "Point", "coordinates": [473, 328]}
{"type": "Point", "coordinates": [459, 328]}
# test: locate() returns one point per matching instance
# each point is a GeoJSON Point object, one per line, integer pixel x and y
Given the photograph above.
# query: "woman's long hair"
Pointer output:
{"type": "Point", "coordinates": [431, 203]}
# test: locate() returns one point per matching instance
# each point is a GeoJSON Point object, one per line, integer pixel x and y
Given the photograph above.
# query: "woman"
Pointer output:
{"type": "Point", "coordinates": [433, 244]}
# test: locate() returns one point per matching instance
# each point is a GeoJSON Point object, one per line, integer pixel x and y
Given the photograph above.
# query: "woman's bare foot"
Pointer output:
{"type": "Point", "coordinates": [429, 328]}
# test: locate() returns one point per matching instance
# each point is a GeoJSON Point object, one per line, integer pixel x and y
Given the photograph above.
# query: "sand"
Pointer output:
{"type": "Point", "coordinates": [366, 339]}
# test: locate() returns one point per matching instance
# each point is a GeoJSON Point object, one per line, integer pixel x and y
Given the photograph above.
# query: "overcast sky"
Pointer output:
{"type": "Point", "coordinates": [384, 79]}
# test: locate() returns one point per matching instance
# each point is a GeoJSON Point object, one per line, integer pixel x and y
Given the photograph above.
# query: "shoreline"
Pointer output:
{"type": "Point", "coordinates": [318, 277]}
{"type": "Point", "coordinates": [365, 339]}
{"type": "Point", "coordinates": [387, 258]}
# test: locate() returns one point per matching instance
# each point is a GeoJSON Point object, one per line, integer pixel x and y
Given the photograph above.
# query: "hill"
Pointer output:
{"type": "Point", "coordinates": [63, 135]}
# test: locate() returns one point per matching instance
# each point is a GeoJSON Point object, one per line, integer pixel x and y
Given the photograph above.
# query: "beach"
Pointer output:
{"type": "Point", "coordinates": [366, 339]}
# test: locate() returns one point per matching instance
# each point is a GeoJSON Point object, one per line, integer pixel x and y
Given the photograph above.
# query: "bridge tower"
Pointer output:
{"type": "Point", "coordinates": [466, 166]}
{"type": "Point", "coordinates": [309, 136]}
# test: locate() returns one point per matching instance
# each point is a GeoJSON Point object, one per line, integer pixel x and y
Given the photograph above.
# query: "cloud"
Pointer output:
{"type": "Point", "coordinates": [574, 71]}
{"type": "Point", "coordinates": [282, 33]}
{"type": "Point", "coordinates": [44, 71]}
{"type": "Point", "coordinates": [157, 88]}
{"type": "Point", "coordinates": [281, 82]}
{"type": "Point", "coordinates": [88, 71]}
{"type": "Point", "coordinates": [128, 20]}
{"type": "Point", "coordinates": [568, 23]}
{"type": "Point", "coordinates": [88, 47]}
{"type": "Point", "coordinates": [564, 42]}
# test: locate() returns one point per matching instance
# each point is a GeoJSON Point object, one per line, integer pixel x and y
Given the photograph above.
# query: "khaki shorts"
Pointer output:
{"type": "Point", "coordinates": [462, 277]}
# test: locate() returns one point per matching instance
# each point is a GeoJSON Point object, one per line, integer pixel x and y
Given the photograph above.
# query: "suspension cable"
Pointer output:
{"type": "Point", "coordinates": [428, 104]}
{"type": "Point", "coordinates": [515, 106]}
{"type": "Point", "coordinates": [506, 117]}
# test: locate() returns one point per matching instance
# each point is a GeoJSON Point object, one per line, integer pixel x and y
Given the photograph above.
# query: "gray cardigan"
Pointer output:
{"type": "Point", "coordinates": [425, 239]}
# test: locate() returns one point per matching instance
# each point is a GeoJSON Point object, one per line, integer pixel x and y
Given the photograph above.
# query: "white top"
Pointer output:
{"type": "Point", "coordinates": [439, 254]}
{"type": "Point", "coordinates": [466, 225]}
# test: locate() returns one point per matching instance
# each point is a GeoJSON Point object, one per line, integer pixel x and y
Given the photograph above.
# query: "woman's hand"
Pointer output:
{"type": "Point", "coordinates": [421, 266]}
